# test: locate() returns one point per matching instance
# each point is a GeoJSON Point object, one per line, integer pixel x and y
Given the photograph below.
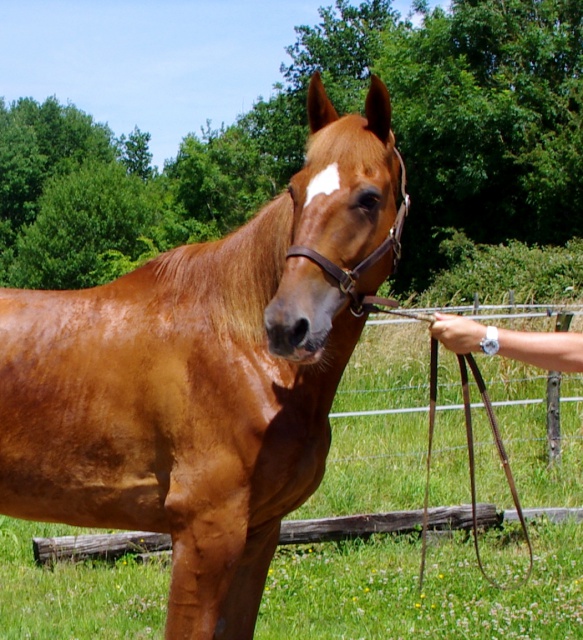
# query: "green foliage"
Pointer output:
{"type": "Point", "coordinates": [222, 179]}
{"type": "Point", "coordinates": [135, 155]}
{"type": "Point", "coordinates": [345, 41]}
{"type": "Point", "coordinates": [532, 49]}
{"type": "Point", "coordinates": [535, 274]}
{"type": "Point", "coordinates": [343, 45]}
{"type": "Point", "coordinates": [112, 263]}
{"type": "Point", "coordinates": [69, 215]}
{"type": "Point", "coordinates": [277, 129]}
{"type": "Point", "coordinates": [21, 171]}
{"type": "Point", "coordinates": [82, 215]}
{"type": "Point", "coordinates": [487, 111]}
{"type": "Point", "coordinates": [38, 141]}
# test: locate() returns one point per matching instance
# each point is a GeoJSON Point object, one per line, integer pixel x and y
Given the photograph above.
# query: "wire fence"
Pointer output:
{"type": "Point", "coordinates": [492, 312]}
{"type": "Point", "coordinates": [421, 455]}
{"type": "Point", "coordinates": [510, 313]}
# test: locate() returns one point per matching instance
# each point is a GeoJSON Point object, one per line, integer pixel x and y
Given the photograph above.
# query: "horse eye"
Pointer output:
{"type": "Point", "coordinates": [368, 200]}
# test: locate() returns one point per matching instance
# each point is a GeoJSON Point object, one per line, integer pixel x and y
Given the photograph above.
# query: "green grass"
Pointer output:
{"type": "Point", "coordinates": [370, 590]}
{"type": "Point", "coordinates": [89, 600]}
{"type": "Point", "coordinates": [366, 589]}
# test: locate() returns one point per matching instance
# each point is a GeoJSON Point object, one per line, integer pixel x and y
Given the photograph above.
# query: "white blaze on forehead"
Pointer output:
{"type": "Point", "coordinates": [324, 183]}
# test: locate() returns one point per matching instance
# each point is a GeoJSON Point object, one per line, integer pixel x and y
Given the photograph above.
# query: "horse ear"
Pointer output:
{"type": "Point", "coordinates": [378, 109]}
{"type": "Point", "coordinates": [320, 109]}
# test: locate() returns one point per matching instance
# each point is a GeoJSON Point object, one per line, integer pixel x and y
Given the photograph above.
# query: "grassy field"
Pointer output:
{"type": "Point", "coordinates": [366, 589]}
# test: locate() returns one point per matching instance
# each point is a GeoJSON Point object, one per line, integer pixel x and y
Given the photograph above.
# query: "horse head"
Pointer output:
{"type": "Point", "coordinates": [344, 202]}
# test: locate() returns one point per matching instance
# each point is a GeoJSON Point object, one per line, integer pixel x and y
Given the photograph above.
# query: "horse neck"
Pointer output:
{"type": "Point", "coordinates": [232, 279]}
{"type": "Point", "coordinates": [325, 377]}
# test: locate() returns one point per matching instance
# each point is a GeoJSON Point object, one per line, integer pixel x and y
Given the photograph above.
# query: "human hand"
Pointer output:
{"type": "Point", "coordinates": [458, 334]}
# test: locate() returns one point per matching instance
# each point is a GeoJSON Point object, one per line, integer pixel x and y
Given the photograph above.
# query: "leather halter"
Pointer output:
{"type": "Point", "coordinates": [348, 278]}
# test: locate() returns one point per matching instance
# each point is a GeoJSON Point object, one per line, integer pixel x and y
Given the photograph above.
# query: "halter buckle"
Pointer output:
{"type": "Point", "coordinates": [347, 285]}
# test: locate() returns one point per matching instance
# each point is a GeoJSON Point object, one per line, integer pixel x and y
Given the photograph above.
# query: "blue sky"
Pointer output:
{"type": "Point", "coordinates": [164, 66]}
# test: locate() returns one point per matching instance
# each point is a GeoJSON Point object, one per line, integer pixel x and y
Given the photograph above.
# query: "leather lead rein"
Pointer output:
{"type": "Point", "coordinates": [464, 361]}
{"type": "Point", "coordinates": [468, 359]}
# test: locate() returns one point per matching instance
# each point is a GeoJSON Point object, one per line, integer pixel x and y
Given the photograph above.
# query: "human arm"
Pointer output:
{"type": "Point", "coordinates": [552, 351]}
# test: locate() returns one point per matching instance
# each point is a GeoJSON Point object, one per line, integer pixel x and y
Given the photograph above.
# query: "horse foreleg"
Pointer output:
{"type": "Point", "coordinates": [207, 545]}
{"type": "Point", "coordinates": [241, 606]}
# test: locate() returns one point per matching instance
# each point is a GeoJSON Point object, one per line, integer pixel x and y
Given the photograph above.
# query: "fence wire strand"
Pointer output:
{"type": "Point", "coordinates": [443, 450]}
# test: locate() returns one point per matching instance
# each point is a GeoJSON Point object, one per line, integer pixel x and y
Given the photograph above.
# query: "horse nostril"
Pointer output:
{"type": "Point", "coordinates": [286, 331]}
{"type": "Point", "coordinates": [299, 332]}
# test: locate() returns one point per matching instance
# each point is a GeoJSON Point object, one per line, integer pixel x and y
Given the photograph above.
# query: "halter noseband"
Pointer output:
{"type": "Point", "coordinates": [347, 278]}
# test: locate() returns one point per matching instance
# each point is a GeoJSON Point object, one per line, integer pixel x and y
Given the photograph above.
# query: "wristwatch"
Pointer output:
{"type": "Point", "coordinates": [490, 344]}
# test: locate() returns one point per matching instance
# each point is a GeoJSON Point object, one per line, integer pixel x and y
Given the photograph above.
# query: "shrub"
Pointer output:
{"type": "Point", "coordinates": [535, 274]}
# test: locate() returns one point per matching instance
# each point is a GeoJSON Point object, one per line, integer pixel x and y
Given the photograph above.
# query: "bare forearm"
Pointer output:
{"type": "Point", "coordinates": [551, 351]}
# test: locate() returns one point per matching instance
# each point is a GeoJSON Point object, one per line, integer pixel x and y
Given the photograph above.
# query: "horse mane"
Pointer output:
{"type": "Point", "coordinates": [233, 279]}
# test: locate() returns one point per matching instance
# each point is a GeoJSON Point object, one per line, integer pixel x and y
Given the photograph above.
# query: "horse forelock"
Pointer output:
{"type": "Point", "coordinates": [233, 279]}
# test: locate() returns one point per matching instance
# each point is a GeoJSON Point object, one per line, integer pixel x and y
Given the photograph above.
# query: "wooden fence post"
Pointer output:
{"type": "Point", "coordinates": [554, 399]}
{"type": "Point", "coordinates": [511, 301]}
{"type": "Point", "coordinates": [476, 303]}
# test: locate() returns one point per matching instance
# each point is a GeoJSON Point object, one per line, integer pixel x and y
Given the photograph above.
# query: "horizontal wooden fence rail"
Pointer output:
{"type": "Point", "coordinates": [111, 546]}
{"type": "Point", "coordinates": [114, 545]}
{"type": "Point", "coordinates": [553, 514]}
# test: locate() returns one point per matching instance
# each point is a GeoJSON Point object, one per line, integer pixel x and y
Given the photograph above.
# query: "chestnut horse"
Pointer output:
{"type": "Point", "coordinates": [156, 402]}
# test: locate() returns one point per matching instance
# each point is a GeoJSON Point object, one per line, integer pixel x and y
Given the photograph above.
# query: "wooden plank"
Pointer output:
{"type": "Point", "coordinates": [554, 514]}
{"type": "Point", "coordinates": [340, 528]}
{"type": "Point", "coordinates": [106, 546]}
{"type": "Point", "coordinates": [114, 545]}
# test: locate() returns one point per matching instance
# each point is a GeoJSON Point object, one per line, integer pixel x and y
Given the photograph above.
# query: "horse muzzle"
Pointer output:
{"type": "Point", "coordinates": [295, 335]}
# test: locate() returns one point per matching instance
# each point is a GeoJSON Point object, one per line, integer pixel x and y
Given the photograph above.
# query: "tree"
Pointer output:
{"type": "Point", "coordinates": [134, 154]}
{"type": "Point", "coordinates": [38, 141]}
{"type": "Point", "coordinates": [487, 110]}
{"type": "Point", "coordinates": [343, 45]}
{"type": "Point", "coordinates": [82, 216]}
{"type": "Point", "coordinates": [66, 135]}
{"type": "Point", "coordinates": [222, 178]}
{"type": "Point", "coordinates": [22, 170]}
{"type": "Point", "coordinates": [277, 129]}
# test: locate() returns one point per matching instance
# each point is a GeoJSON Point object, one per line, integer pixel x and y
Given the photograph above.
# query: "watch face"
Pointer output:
{"type": "Point", "coordinates": [490, 347]}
